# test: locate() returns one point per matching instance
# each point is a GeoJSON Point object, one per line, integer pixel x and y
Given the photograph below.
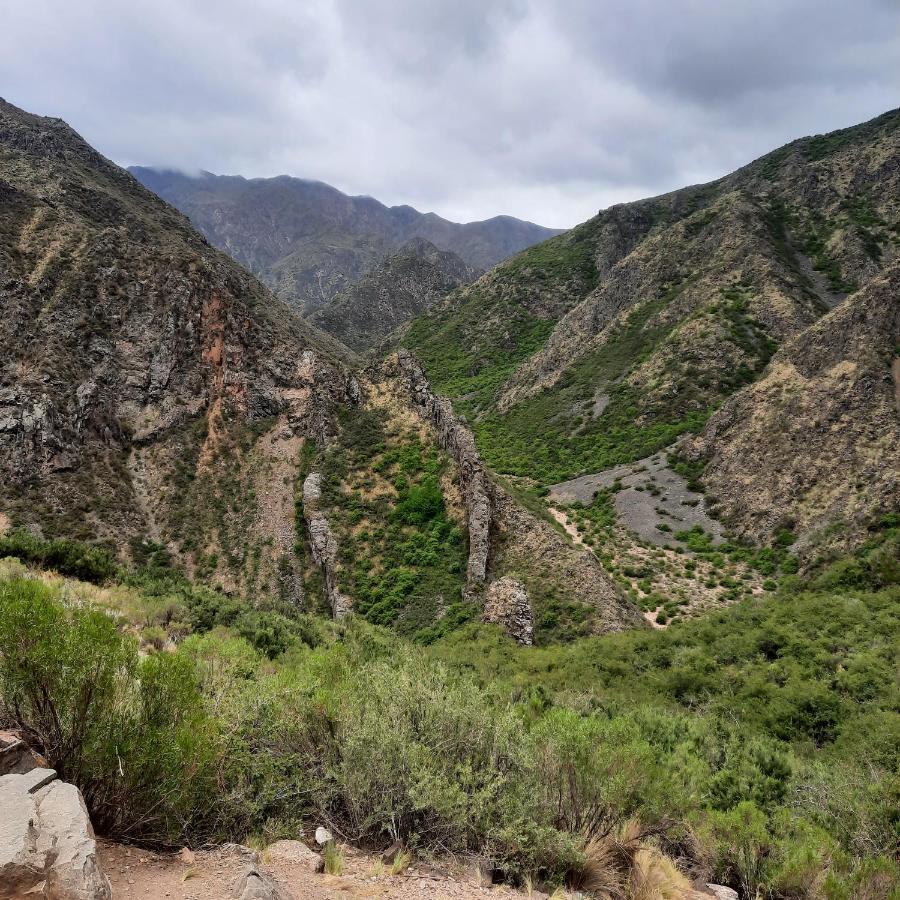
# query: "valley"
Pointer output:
{"type": "Point", "coordinates": [569, 561]}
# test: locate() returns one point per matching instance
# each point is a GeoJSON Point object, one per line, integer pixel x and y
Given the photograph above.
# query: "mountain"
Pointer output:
{"type": "Point", "coordinates": [155, 398]}
{"type": "Point", "coordinates": [150, 389]}
{"type": "Point", "coordinates": [403, 285]}
{"type": "Point", "coordinates": [602, 346]}
{"type": "Point", "coordinates": [309, 242]}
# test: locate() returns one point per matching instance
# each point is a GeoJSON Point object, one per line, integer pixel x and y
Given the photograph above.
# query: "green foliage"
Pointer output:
{"type": "Point", "coordinates": [769, 729]}
{"type": "Point", "coordinates": [470, 345]}
{"type": "Point", "coordinates": [478, 372]}
{"type": "Point", "coordinates": [402, 557]}
{"type": "Point", "coordinates": [82, 561]}
{"type": "Point", "coordinates": [539, 438]}
{"type": "Point", "coordinates": [131, 733]}
{"type": "Point", "coordinates": [876, 564]}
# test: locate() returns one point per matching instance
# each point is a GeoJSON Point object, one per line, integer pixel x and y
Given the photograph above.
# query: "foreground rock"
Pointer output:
{"type": "Point", "coordinates": [16, 757]}
{"type": "Point", "coordinates": [47, 846]}
{"type": "Point", "coordinates": [253, 885]}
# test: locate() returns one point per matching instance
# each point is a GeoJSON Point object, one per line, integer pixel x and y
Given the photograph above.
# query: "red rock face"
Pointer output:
{"type": "Point", "coordinates": [129, 350]}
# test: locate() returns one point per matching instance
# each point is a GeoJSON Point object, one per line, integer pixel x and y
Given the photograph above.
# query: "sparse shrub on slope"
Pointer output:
{"type": "Point", "coordinates": [82, 561]}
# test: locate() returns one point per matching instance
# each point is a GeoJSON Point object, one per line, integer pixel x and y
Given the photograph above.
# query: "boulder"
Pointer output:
{"type": "Point", "coordinates": [720, 892]}
{"type": "Point", "coordinates": [295, 852]}
{"type": "Point", "coordinates": [251, 884]}
{"type": "Point", "coordinates": [507, 606]}
{"type": "Point", "coordinates": [390, 855]}
{"type": "Point", "coordinates": [47, 846]}
{"type": "Point", "coordinates": [16, 757]}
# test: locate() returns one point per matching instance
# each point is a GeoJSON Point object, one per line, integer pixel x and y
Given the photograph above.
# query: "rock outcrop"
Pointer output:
{"type": "Point", "coordinates": [456, 440]}
{"type": "Point", "coordinates": [323, 544]}
{"type": "Point", "coordinates": [507, 606]}
{"type": "Point", "coordinates": [16, 757]}
{"type": "Point", "coordinates": [252, 884]}
{"type": "Point", "coordinates": [505, 539]}
{"type": "Point", "coordinates": [533, 551]}
{"type": "Point", "coordinates": [147, 382]}
{"type": "Point", "coordinates": [47, 846]}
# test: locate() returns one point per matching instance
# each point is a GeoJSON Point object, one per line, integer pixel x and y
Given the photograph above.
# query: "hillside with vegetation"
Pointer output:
{"type": "Point", "coordinates": [756, 747]}
{"type": "Point", "coordinates": [605, 345]}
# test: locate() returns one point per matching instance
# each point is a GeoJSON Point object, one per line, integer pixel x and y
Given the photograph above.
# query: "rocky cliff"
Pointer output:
{"type": "Point", "coordinates": [511, 550]}
{"type": "Point", "coordinates": [150, 389]}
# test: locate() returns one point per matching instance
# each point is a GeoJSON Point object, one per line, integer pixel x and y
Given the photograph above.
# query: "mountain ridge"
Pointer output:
{"type": "Point", "coordinates": [606, 344]}
{"type": "Point", "coordinates": [309, 241]}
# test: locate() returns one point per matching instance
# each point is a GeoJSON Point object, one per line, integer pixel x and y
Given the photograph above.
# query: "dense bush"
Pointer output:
{"type": "Point", "coordinates": [758, 746]}
{"type": "Point", "coordinates": [82, 561]}
{"type": "Point", "coordinates": [132, 733]}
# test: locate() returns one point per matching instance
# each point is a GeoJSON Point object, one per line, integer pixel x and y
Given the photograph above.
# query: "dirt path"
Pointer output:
{"type": "Point", "coordinates": [568, 527]}
{"type": "Point", "coordinates": [211, 875]}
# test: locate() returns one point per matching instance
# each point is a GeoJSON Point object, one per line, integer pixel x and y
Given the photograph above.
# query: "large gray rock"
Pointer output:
{"type": "Point", "coordinates": [720, 892]}
{"type": "Point", "coordinates": [507, 606]}
{"type": "Point", "coordinates": [47, 846]}
{"type": "Point", "coordinates": [323, 544]}
{"type": "Point", "coordinates": [251, 884]}
{"type": "Point", "coordinates": [293, 852]}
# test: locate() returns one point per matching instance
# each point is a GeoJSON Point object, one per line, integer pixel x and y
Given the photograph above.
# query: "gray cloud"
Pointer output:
{"type": "Point", "coordinates": [544, 110]}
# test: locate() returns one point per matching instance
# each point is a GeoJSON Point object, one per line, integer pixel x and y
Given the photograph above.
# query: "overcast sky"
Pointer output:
{"type": "Point", "coordinates": [544, 109]}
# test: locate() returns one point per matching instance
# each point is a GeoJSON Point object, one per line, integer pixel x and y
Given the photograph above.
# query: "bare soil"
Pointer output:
{"type": "Point", "coordinates": [649, 485]}
{"type": "Point", "coordinates": [212, 874]}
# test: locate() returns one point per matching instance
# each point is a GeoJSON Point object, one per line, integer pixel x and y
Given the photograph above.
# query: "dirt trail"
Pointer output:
{"type": "Point", "coordinates": [211, 875]}
{"type": "Point", "coordinates": [568, 526]}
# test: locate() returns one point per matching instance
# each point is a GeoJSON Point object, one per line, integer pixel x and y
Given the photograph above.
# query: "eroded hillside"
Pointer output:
{"type": "Point", "coordinates": [603, 346]}
{"type": "Point", "coordinates": [151, 391]}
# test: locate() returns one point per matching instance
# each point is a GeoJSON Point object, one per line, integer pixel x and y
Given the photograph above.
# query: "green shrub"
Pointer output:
{"type": "Point", "coordinates": [130, 732]}
{"type": "Point", "coordinates": [82, 561]}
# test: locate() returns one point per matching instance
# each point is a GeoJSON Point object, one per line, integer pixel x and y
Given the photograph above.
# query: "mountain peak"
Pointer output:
{"type": "Point", "coordinates": [310, 242]}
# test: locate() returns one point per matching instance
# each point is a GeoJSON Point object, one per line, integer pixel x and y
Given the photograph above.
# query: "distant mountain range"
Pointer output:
{"type": "Point", "coordinates": [309, 242]}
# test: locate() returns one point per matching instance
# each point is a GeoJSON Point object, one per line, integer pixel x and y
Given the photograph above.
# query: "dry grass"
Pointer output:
{"type": "Point", "coordinates": [334, 859]}
{"type": "Point", "coordinates": [401, 862]}
{"type": "Point", "coordinates": [623, 865]}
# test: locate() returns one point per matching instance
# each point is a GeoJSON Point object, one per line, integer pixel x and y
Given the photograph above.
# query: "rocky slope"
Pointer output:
{"type": "Point", "coordinates": [150, 389]}
{"type": "Point", "coordinates": [415, 532]}
{"type": "Point", "coordinates": [309, 242]}
{"type": "Point", "coordinates": [157, 398]}
{"type": "Point", "coordinates": [814, 445]}
{"type": "Point", "coordinates": [404, 285]}
{"type": "Point", "coordinates": [603, 345]}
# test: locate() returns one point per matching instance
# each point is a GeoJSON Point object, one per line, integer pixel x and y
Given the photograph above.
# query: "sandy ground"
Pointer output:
{"type": "Point", "coordinates": [211, 875]}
